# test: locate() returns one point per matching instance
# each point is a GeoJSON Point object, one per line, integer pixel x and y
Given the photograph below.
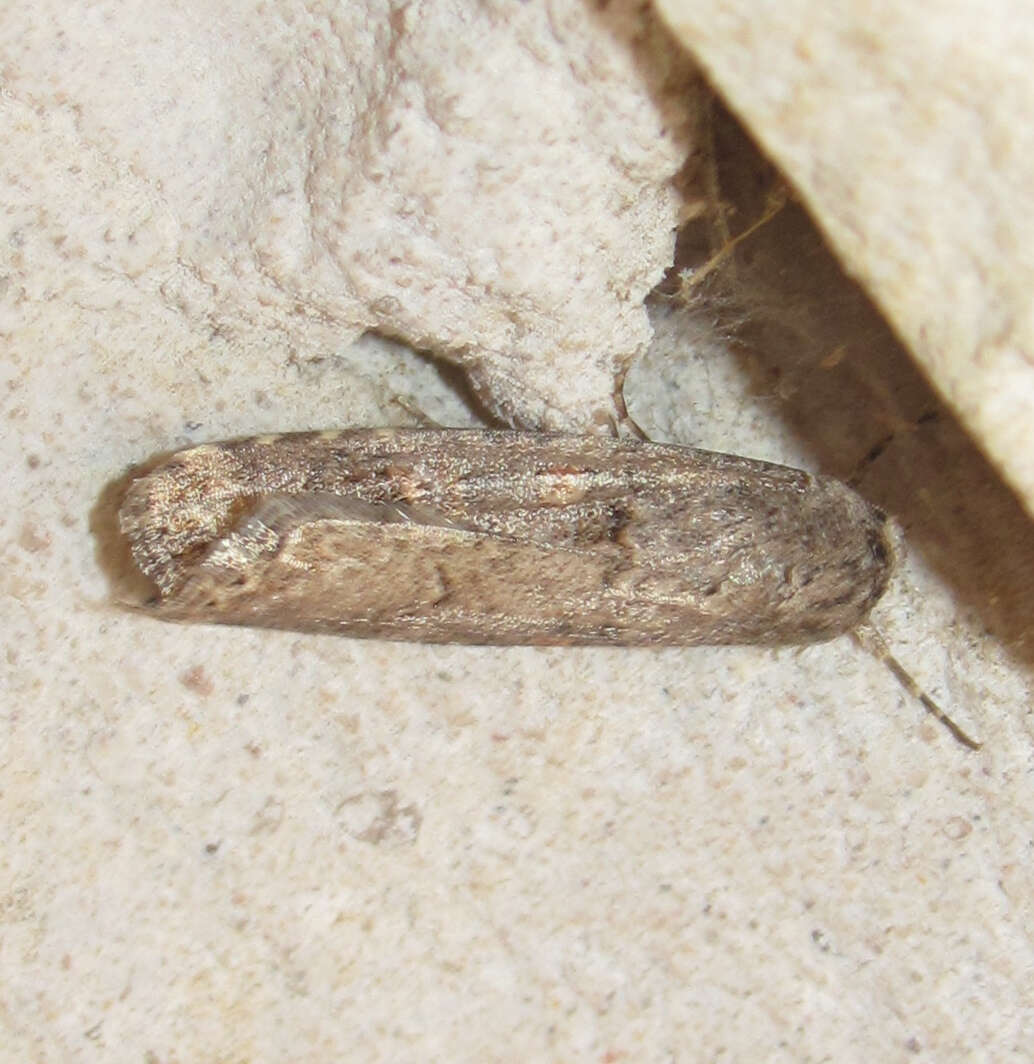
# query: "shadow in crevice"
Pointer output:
{"type": "Point", "coordinates": [813, 343]}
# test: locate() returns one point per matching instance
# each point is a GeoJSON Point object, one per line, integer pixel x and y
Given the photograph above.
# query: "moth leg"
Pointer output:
{"type": "Point", "coordinates": [624, 425]}
{"type": "Point", "coordinates": [423, 420]}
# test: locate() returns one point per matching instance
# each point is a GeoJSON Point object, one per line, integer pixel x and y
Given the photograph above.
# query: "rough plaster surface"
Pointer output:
{"type": "Point", "coordinates": [909, 131]}
{"type": "Point", "coordinates": [230, 844]}
{"type": "Point", "coordinates": [459, 176]}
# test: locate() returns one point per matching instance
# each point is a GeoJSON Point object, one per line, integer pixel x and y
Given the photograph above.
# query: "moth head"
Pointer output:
{"type": "Point", "coordinates": [171, 514]}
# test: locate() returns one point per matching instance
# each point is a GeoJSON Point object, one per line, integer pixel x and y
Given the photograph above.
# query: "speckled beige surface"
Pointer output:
{"type": "Point", "coordinates": [237, 845]}
{"type": "Point", "coordinates": [462, 177]}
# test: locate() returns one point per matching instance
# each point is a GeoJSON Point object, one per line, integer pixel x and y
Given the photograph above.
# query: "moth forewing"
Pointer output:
{"type": "Point", "coordinates": [485, 537]}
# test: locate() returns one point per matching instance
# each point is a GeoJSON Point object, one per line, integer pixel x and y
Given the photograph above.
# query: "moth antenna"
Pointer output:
{"type": "Point", "coordinates": [870, 640]}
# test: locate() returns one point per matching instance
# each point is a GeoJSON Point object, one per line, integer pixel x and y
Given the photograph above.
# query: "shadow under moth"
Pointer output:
{"type": "Point", "coordinates": [497, 537]}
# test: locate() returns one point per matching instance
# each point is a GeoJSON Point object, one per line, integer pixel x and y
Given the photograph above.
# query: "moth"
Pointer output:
{"type": "Point", "coordinates": [488, 537]}
{"type": "Point", "coordinates": [481, 537]}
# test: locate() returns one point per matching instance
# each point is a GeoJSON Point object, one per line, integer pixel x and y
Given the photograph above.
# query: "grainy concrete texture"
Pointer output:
{"type": "Point", "coordinates": [229, 844]}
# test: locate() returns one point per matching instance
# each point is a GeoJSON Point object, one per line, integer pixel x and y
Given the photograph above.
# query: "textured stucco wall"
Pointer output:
{"type": "Point", "coordinates": [232, 844]}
